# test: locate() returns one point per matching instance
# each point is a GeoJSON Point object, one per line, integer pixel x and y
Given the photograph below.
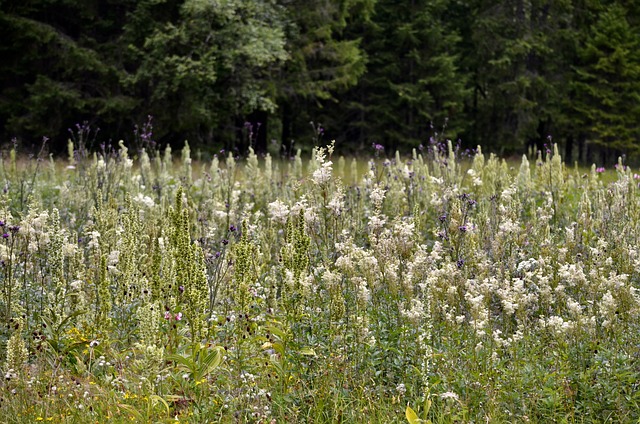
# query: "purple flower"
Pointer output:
{"type": "Point", "coordinates": [463, 228]}
{"type": "Point", "coordinates": [232, 228]}
{"type": "Point", "coordinates": [600, 169]}
{"type": "Point", "coordinates": [1, 223]}
{"type": "Point", "coordinates": [5, 235]}
{"type": "Point", "coordinates": [181, 289]}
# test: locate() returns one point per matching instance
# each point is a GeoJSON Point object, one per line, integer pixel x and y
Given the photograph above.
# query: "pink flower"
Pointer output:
{"type": "Point", "coordinates": [600, 169]}
{"type": "Point", "coordinates": [167, 315]}
{"type": "Point", "coordinates": [178, 316]}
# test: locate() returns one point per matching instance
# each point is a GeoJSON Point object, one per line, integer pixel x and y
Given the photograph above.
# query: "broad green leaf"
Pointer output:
{"type": "Point", "coordinates": [277, 332]}
{"type": "Point", "coordinates": [412, 417]}
{"type": "Point", "coordinates": [307, 351]}
{"type": "Point", "coordinates": [211, 362]}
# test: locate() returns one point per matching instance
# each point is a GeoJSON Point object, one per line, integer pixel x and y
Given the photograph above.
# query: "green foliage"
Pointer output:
{"type": "Point", "coordinates": [429, 289]}
{"type": "Point", "coordinates": [606, 87]}
{"type": "Point", "coordinates": [235, 74]}
{"type": "Point", "coordinates": [520, 55]}
{"type": "Point", "coordinates": [413, 83]}
{"type": "Point", "coordinates": [51, 80]}
{"type": "Point", "coordinates": [209, 65]}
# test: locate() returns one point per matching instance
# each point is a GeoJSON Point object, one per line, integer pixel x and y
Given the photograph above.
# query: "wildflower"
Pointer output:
{"type": "Point", "coordinates": [336, 204]}
{"type": "Point", "coordinates": [178, 316]}
{"type": "Point", "coordinates": [323, 174]}
{"type": "Point", "coordinates": [278, 211]}
{"type": "Point", "coordinates": [449, 395]}
{"type": "Point", "coordinates": [145, 200]}
{"type": "Point", "coordinates": [377, 197]}
{"type": "Point", "coordinates": [5, 235]}
{"type": "Point", "coordinates": [600, 169]}
{"type": "Point", "coordinates": [93, 242]}
{"type": "Point", "coordinates": [167, 315]}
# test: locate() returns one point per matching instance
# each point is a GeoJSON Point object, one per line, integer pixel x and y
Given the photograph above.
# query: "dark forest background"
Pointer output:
{"type": "Point", "coordinates": [283, 74]}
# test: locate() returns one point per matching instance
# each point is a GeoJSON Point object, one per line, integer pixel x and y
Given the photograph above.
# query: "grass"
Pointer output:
{"type": "Point", "coordinates": [150, 289]}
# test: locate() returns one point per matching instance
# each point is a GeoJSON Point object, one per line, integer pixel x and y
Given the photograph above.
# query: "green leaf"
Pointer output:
{"type": "Point", "coordinates": [427, 406]}
{"type": "Point", "coordinates": [183, 363]}
{"type": "Point", "coordinates": [67, 319]}
{"type": "Point", "coordinates": [412, 417]}
{"type": "Point", "coordinates": [279, 348]}
{"type": "Point", "coordinates": [307, 351]}
{"type": "Point", "coordinates": [277, 332]}
{"type": "Point", "coordinates": [133, 411]}
{"type": "Point", "coordinates": [157, 399]}
{"type": "Point", "coordinates": [211, 362]}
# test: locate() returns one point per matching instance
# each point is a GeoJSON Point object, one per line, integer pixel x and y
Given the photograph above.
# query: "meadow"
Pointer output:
{"type": "Point", "coordinates": [429, 287]}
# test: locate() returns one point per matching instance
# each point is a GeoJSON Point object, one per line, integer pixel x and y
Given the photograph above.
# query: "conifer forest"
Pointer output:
{"type": "Point", "coordinates": [321, 211]}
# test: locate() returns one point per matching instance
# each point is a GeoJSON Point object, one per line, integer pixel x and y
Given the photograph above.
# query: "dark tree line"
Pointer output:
{"type": "Point", "coordinates": [228, 73]}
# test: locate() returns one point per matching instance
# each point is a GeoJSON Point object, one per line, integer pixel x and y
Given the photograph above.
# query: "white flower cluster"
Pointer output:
{"type": "Point", "coordinates": [278, 211]}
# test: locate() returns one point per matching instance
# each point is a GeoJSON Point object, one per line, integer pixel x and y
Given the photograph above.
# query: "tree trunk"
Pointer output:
{"type": "Point", "coordinates": [568, 150]}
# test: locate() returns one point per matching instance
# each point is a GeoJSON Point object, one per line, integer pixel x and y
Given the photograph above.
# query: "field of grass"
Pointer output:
{"type": "Point", "coordinates": [145, 289]}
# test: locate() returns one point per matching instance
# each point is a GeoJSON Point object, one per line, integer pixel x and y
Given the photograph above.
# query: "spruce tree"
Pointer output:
{"type": "Point", "coordinates": [607, 82]}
